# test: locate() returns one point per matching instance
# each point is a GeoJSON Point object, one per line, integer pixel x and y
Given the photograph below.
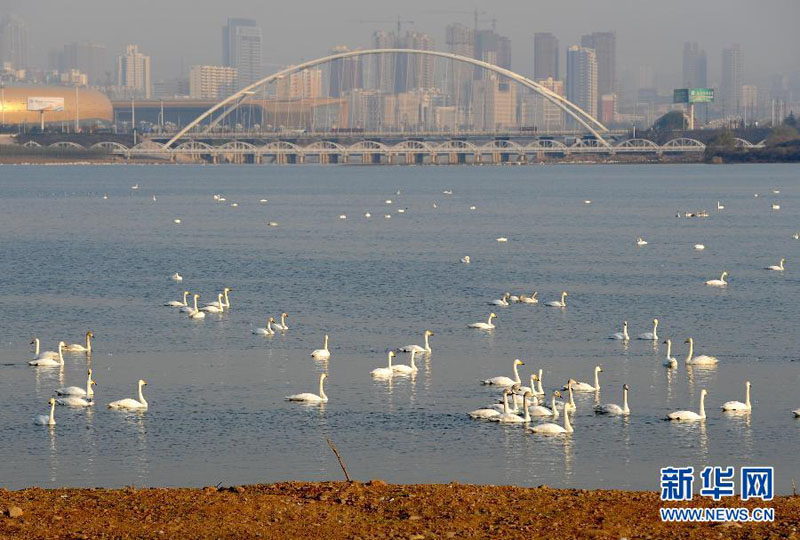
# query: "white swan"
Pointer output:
{"type": "Point", "coordinates": [176, 276]}
{"type": "Point", "coordinates": [557, 303]}
{"type": "Point", "coordinates": [539, 410]}
{"type": "Point", "coordinates": [416, 348]}
{"type": "Point", "coordinates": [267, 330]}
{"type": "Point", "coordinates": [489, 413]}
{"type": "Point", "coordinates": [283, 325]}
{"type": "Point", "coordinates": [738, 406]}
{"type": "Point", "coordinates": [219, 303]}
{"type": "Point", "coordinates": [484, 325]}
{"type": "Point", "coordinates": [386, 371]}
{"type": "Point", "coordinates": [621, 335]}
{"type": "Point", "coordinates": [778, 268]}
{"type": "Point", "coordinates": [403, 369]}
{"type": "Point", "coordinates": [77, 390]}
{"type": "Point", "coordinates": [613, 408]}
{"type": "Point", "coordinates": [506, 381]}
{"type": "Point", "coordinates": [641, 242]}
{"type": "Point", "coordinates": [502, 302]}
{"type": "Point", "coordinates": [196, 313]}
{"type": "Point", "coordinates": [75, 401]}
{"type": "Point", "coordinates": [48, 361]}
{"type": "Point", "coordinates": [130, 403]}
{"type": "Point", "coordinates": [720, 206]}
{"type": "Point", "coordinates": [651, 336]}
{"type": "Point", "coordinates": [702, 360]}
{"type": "Point", "coordinates": [550, 429]}
{"type": "Point", "coordinates": [45, 354]}
{"type": "Point", "coordinates": [512, 418]}
{"type": "Point", "coordinates": [570, 405]}
{"type": "Point", "coordinates": [218, 307]}
{"type": "Point", "coordinates": [465, 259]}
{"type": "Point", "coordinates": [699, 247]}
{"type": "Point", "coordinates": [586, 387]}
{"type": "Point", "coordinates": [77, 347]}
{"type": "Point", "coordinates": [178, 303]}
{"type": "Point", "coordinates": [529, 299]}
{"type": "Point", "coordinates": [539, 390]}
{"type": "Point", "coordinates": [671, 362]}
{"type": "Point", "coordinates": [312, 398]}
{"type": "Point", "coordinates": [45, 420]}
{"type": "Point", "coordinates": [718, 282]}
{"type": "Point", "coordinates": [323, 353]}
{"type": "Point", "coordinates": [691, 416]}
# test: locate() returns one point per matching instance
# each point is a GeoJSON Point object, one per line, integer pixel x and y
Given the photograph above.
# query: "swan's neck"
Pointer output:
{"type": "Point", "coordinates": [221, 303]}
{"type": "Point", "coordinates": [525, 407]}
{"type": "Point", "coordinates": [655, 330]}
{"type": "Point", "coordinates": [228, 302]}
{"type": "Point", "coordinates": [505, 402]}
{"type": "Point", "coordinates": [321, 388]}
{"type": "Point", "coordinates": [747, 396]}
{"type": "Point", "coordinates": [283, 319]}
{"type": "Point", "coordinates": [141, 397]}
{"type": "Point", "coordinates": [60, 356]}
{"type": "Point", "coordinates": [427, 345]}
{"type": "Point", "coordinates": [489, 320]}
{"type": "Point", "coordinates": [52, 413]}
{"type": "Point", "coordinates": [516, 374]}
{"type": "Point", "coordinates": [625, 400]}
{"type": "Point", "coordinates": [269, 327]}
{"type": "Point", "coordinates": [89, 391]}
{"type": "Point", "coordinates": [691, 351]}
{"type": "Point", "coordinates": [702, 406]}
{"type": "Point", "coordinates": [539, 388]}
{"type": "Point", "coordinates": [413, 356]}
{"type": "Point", "coordinates": [596, 379]}
{"type": "Point", "coordinates": [553, 404]}
{"type": "Point", "coordinates": [185, 296]}
{"type": "Point", "coordinates": [781, 265]}
{"type": "Point", "coordinates": [567, 425]}
{"type": "Point", "coordinates": [36, 346]}
{"type": "Point", "coordinates": [722, 277]}
{"type": "Point", "coordinates": [325, 346]}
{"type": "Point", "coordinates": [564, 298]}
{"type": "Point", "coordinates": [625, 332]}
{"type": "Point", "coordinates": [390, 360]}
{"type": "Point", "coordinates": [88, 343]}
{"type": "Point", "coordinates": [195, 303]}
{"type": "Point", "coordinates": [669, 350]}
{"type": "Point", "coordinates": [571, 399]}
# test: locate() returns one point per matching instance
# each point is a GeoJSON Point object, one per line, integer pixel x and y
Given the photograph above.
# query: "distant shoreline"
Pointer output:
{"type": "Point", "coordinates": [339, 510]}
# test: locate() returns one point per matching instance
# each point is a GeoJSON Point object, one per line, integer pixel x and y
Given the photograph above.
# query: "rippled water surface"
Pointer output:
{"type": "Point", "coordinates": [73, 260]}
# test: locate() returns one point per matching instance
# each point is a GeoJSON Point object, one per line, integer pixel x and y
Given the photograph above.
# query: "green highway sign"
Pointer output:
{"type": "Point", "coordinates": [693, 95]}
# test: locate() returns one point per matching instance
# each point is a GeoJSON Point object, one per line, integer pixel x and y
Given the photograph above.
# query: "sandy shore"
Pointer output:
{"type": "Point", "coordinates": [338, 510]}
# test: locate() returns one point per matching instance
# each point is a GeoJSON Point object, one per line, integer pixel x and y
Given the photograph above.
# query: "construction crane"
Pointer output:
{"type": "Point", "coordinates": [397, 21]}
{"type": "Point", "coordinates": [475, 13]}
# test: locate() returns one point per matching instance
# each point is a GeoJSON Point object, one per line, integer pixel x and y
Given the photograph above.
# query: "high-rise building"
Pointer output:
{"type": "Point", "coordinates": [545, 56]}
{"type": "Point", "coordinates": [494, 103]}
{"type": "Point", "coordinates": [241, 49]}
{"type": "Point", "coordinates": [87, 57]}
{"type": "Point", "coordinates": [749, 105]}
{"type": "Point", "coordinates": [212, 82]}
{"type": "Point", "coordinates": [345, 74]}
{"type": "Point", "coordinates": [383, 69]}
{"type": "Point", "coordinates": [305, 84]}
{"type": "Point", "coordinates": [730, 88]}
{"type": "Point", "coordinates": [461, 41]}
{"type": "Point", "coordinates": [582, 78]}
{"type": "Point", "coordinates": [694, 66]}
{"type": "Point", "coordinates": [604, 45]}
{"type": "Point", "coordinates": [493, 48]}
{"type": "Point", "coordinates": [419, 69]}
{"type": "Point", "coordinates": [133, 73]}
{"type": "Point", "coordinates": [540, 112]}
{"type": "Point", "coordinates": [14, 41]}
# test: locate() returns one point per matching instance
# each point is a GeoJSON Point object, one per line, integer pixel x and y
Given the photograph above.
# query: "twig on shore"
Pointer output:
{"type": "Point", "coordinates": [339, 457]}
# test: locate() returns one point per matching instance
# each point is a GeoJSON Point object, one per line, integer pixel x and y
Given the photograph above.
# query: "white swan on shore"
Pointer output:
{"type": "Point", "coordinates": [702, 360]}
{"type": "Point", "coordinates": [613, 408]}
{"type": "Point", "coordinates": [323, 353]}
{"type": "Point", "coordinates": [691, 416]}
{"type": "Point", "coordinates": [557, 303]}
{"type": "Point", "coordinates": [308, 397]}
{"type": "Point", "coordinates": [77, 347]}
{"type": "Point", "coordinates": [484, 325]}
{"type": "Point", "coordinates": [506, 381]}
{"type": "Point", "coordinates": [426, 349]}
{"type": "Point", "coordinates": [384, 372]}
{"type": "Point", "coordinates": [651, 336]}
{"type": "Point", "coordinates": [671, 362]}
{"type": "Point", "coordinates": [130, 403]}
{"type": "Point", "coordinates": [718, 282]}
{"type": "Point", "coordinates": [621, 335]}
{"type": "Point", "coordinates": [47, 420]}
{"type": "Point", "coordinates": [738, 406]}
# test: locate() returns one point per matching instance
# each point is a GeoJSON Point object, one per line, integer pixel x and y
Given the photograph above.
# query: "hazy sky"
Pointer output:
{"type": "Point", "coordinates": [648, 32]}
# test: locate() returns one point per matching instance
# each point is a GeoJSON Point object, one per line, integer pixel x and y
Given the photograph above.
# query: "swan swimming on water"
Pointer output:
{"type": "Point", "coordinates": [219, 303]}
{"type": "Point", "coordinates": [404, 369]}
{"type": "Point", "coordinates": [557, 303]}
{"type": "Point", "coordinates": [776, 268]}
{"type": "Point", "coordinates": [211, 308]}
{"type": "Point", "coordinates": [178, 303]}
{"type": "Point", "coordinates": [512, 418]}
{"type": "Point", "coordinates": [738, 406]}
{"type": "Point", "coordinates": [718, 282]}
{"type": "Point", "coordinates": [641, 242]}
{"type": "Point", "coordinates": [539, 410]}
{"type": "Point", "coordinates": [196, 313]}
{"type": "Point", "coordinates": [465, 259]}
{"type": "Point", "coordinates": [45, 354]}
{"type": "Point", "coordinates": [551, 429]}
{"type": "Point", "coordinates": [484, 325]}
{"type": "Point", "coordinates": [323, 353]}
{"type": "Point", "coordinates": [702, 360]}
{"type": "Point", "coordinates": [651, 336]}
{"type": "Point", "coordinates": [613, 408]}
{"type": "Point", "coordinates": [77, 347]}
{"type": "Point", "coordinates": [77, 390]}
{"type": "Point", "coordinates": [691, 416]}
{"type": "Point", "coordinates": [387, 371]}
{"type": "Point", "coordinates": [671, 362]}
{"type": "Point", "coordinates": [47, 420]}
{"type": "Point", "coordinates": [586, 387]}
{"type": "Point", "coordinates": [529, 299]}
{"type": "Point", "coordinates": [312, 398]}
{"type": "Point", "coordinates": [506, 381]}
{"type": "Point", "coordinates": [622, 335]}
{"type": "Point", "coordinates": [176, 277]}
{"type": "Point", "coordinates": [267, 330]}
{"type": "Point", "coordinates": [283, 325]}
{"type": "Point", "coordinates": [49, 361]}
{"type": "Point", "coordinates": [416, 348]}
{"type": "Point", "coordinates": [130, 403]}
{"type": "Point", "coordinates": [502, 302]}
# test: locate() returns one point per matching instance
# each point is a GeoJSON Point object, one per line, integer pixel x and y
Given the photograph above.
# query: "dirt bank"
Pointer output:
{"type": "Point", "coordinates": [374, 510]}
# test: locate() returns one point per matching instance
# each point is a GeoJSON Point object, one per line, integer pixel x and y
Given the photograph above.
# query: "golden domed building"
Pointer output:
{"type": "Point", "coordinates": [22, 105]}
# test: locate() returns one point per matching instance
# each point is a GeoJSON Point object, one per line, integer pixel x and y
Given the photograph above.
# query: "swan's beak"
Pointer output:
{"type": "Point", "coordinates": [687, 341]}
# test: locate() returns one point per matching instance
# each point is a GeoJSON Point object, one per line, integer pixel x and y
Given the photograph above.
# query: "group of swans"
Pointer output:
{"type": "Point", "coordinates": [74, 398]}
{"type": "Point", "coordinates": [728, 407]}
{"type": "Point", "coordinates": [272, 326]}
{"type": "Point", "coordinates": [648, 336]}
{"type": "Point", "coordinates": [56, 358]}
{"type": "Point", "coordinates": [195, 312]}
{"type": "Point", "coordinates": [396, 369]}
{"type": "Point", "coordinates": [508, 299]}
{"type": "Point", "coordinates": [691, 360]}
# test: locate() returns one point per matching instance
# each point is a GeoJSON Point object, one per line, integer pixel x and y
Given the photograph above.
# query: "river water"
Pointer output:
{"type": "Point", "coordinates": [82, 250]}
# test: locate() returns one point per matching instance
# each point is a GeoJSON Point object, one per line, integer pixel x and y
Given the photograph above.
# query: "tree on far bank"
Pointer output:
{"type": "Point", "coordinates": [782, 134]}
{"type": "Point", "coordinates": [672, 121]}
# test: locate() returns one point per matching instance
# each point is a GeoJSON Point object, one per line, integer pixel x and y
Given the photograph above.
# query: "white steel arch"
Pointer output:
{"type": "Point", "coordinates": [581, 116]}
{"type": "Point", "coordinates": [109, 146]}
